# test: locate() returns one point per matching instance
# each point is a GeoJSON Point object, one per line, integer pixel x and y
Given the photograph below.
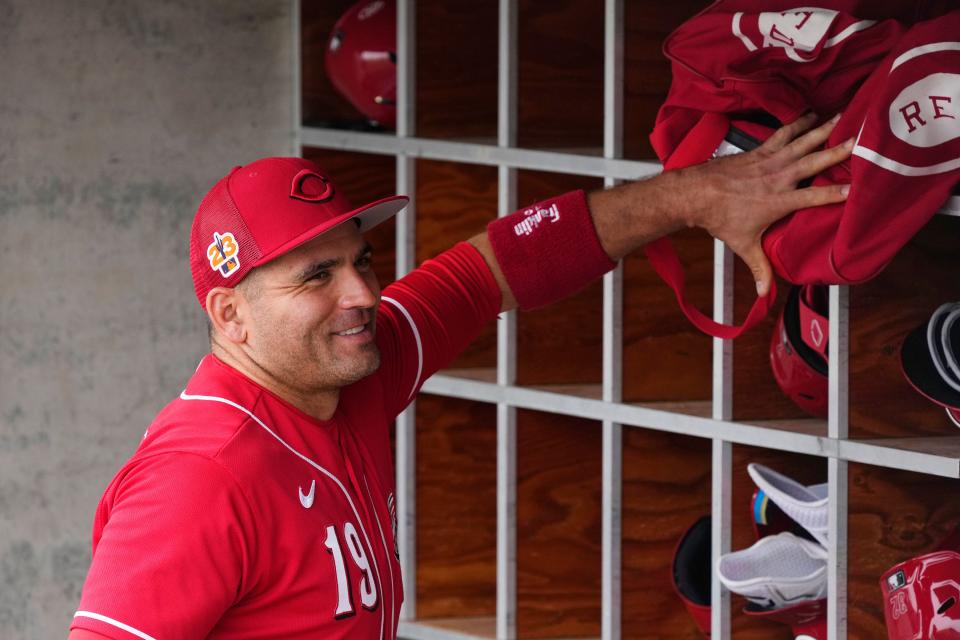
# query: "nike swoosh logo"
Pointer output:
{"type": "Point", "coordinates": [307, 500]}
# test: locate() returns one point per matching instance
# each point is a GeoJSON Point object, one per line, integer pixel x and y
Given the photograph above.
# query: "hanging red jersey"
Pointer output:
{"type": "Point", "coordinates": [767, 62]}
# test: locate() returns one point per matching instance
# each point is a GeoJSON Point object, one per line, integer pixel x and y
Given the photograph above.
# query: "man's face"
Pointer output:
{"type": "Point", "coordinates": [312, 313]}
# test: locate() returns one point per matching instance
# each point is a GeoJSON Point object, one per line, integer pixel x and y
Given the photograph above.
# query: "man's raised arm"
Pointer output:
{"type": "Point", "coordinates": [733, 198]}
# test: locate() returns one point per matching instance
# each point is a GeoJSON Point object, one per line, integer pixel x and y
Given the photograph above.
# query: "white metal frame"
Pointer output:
{"type": "Point", "coordinates": [612, 385]}
{"type": "Point", "coordinates": [506, 623]}
{"type": "Point", "coordinates": [721, 486]}
{"type": "Point", "coordinates": [406, 434]}
{"type": "Point", "coordinates": [937, 456]}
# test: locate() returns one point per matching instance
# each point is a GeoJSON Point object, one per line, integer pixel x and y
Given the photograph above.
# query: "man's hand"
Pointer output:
{"type": "Point", "coordinates": [734, 198]}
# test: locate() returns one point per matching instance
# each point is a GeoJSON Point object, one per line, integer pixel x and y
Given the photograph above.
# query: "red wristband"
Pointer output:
{"type": "Point", "coordinates": [549, 250]}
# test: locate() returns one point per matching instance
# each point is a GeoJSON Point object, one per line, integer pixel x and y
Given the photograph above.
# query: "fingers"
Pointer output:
{"type": "Point", "coordinates": [812, 164]}
{"type": "Point", "coordinates": [811, 140]}
{"type": "Point", "coordinates": [760, 267]}
{"type": "Point", "coordinates": [786, 133]}
{"type": "Point", "coordinates": [785, 203]}
{"type": "Point", "coordinates": [816, 196]}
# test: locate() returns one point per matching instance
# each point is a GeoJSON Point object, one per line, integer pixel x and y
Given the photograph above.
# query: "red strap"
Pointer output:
{"type": "Point", "coordinates": [698, 145]}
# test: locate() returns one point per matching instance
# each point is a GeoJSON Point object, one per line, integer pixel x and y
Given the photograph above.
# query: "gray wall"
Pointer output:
{"type": "Point", "coordinates": [115, 117]}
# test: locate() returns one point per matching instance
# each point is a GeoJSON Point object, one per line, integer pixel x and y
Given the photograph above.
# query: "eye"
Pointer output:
{"type": "Point", "coordinates": [319, 276]}
{"type": "Point", "coordinates": [364, 262]}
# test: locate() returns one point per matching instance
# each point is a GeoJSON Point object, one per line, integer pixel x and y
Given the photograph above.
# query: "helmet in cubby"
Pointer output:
{"type": "Point", "coordinates": [930, 359]}
{"type": "Point", "coordinates": [921, 597]}
{"type": "Point", "coordinates": [691, 569]}
{"type": "Point", "coordinates": [798, 348]}
{"type": "Point", "coordinates": [361, 59]}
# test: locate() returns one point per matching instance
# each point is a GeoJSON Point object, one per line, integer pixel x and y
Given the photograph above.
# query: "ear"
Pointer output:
{"type": "Point", "coordinates": [225, 308]}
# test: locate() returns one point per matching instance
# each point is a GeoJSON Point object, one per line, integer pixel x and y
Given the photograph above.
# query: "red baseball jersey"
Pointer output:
{"type": "Point", "coordinates": [239, 516]}
{"type": "Point", "coordinates": [768, 60]}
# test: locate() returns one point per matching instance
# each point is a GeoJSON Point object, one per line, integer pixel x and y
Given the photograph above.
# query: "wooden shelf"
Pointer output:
{"type": "Point", "coordinates": [449, 629]}
{"type": "Point", "coordinates": [932, 455]}
{"type": "Point", "coordinates": [454, 629]}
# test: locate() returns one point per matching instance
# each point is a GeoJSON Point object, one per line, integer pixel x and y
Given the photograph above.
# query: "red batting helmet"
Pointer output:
{"type": "Point", "coordinates": [921, 597]}
{"type": "Point", "coordinates": [691, 572]}
{"type": "Point", "coordinates": [798, 348]}
{"type": "Point", "coordinates": [361, 59]}
{"type": "Point", "coordinates": [930, 359]}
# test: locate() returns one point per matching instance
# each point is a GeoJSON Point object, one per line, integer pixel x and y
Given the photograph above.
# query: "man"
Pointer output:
{"type": "Point", "coordinates": [260, 503]}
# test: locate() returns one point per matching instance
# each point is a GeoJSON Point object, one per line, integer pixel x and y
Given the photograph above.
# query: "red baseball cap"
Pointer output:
{"type": "Point", "coordinates": [261, 211]}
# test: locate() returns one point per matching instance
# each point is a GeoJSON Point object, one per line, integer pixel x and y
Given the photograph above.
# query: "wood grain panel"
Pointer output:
{"type": "Point", "coordinates": [560, 76]}
{"type": "Point", "coordinates": [664, 356]}
{"type": "Point", "coordinates": [558, 526]}
{"type": "Point", "coordinates": [321, 104]}
{"type": "Point", "coordinates": [666, 487]}
{"type": "Point", "coordinates": [457, 69]}
{"type": "Point", "coordinates": [456, 508]}
{"type": "Point", "coordinates": [924, 275]}
{"type": "Point", "coordinates": [805, 469]}
{"type": "Point", "coordinates": [364, 178]}
{"type": "Point", "coordinates": [455, 202]}
{"type": "Point", "coordinates": [647, 73]}
{"type": "Point", "coordinates": [561, 343]}
{"type": "Point", "coordinates": [894, 516]}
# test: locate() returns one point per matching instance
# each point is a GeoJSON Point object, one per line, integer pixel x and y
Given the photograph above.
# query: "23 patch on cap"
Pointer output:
{"type": "Point", "coordinates": [223, 254]}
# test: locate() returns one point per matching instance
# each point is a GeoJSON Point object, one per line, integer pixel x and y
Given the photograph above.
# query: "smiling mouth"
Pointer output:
{"type": "Point", "coordinates": [355, 330]}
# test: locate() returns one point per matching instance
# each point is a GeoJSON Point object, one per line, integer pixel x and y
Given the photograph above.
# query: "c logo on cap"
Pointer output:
{"type": "Point", "coordinates": [296, 188]}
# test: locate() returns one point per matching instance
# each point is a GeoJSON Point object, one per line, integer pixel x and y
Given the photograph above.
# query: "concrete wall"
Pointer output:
{"type": "Point", "coordinates": [115, 117]}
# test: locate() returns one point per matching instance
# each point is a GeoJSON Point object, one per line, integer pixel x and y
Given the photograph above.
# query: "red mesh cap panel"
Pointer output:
{"type": "Point", "coordinates": [222, 250]}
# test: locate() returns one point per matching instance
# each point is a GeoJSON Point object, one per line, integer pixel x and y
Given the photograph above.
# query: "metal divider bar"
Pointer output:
{"type": "Point", "coordinates": [837, 469]}
{"type": "Point", "coordinates": [722, 457]}
{"type": "Point", "coordinates": [922, 460]}
{"type": "Point", "coordinates": [722, 349]}
{"type": "Point", "coordinates": [474, 153]}
{"type": "Point", "coordinates": [612, 391]}
{"type": "Point", "coordinates": [507, 336]}
{"type": "Point", "coordinates": [296, 55]}
{"type": "Point", "coordinates": [406, 182]}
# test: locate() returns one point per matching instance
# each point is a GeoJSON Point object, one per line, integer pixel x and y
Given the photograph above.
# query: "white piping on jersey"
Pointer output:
{"type": "Point", "coordinates": [416, 335]}
{"type": "Point", "coordinates": [115, 623]}
{"type": "Point", "coordinates": [737, 32]}
{"type": "Point", "coordinates": [904, 169]}
{"type": "Point", "coordinates": [185, 396]}
{"type": "Point", "coordinates": [386, 552]}
{"type": "Point", "coordinates": [933, 47]}
{"type": "Point", "coordinates": [849, 31]}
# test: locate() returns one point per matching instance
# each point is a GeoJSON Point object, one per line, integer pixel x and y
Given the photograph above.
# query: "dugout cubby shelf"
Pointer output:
{"type": "Point", "coordinates": [545, 477]}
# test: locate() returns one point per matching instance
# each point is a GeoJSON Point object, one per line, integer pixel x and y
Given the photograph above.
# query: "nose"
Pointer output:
{"type": "Point", "coordinates": [358, 290]}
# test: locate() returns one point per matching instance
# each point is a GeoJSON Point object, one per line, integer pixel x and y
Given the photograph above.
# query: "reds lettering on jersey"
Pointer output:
{"type": "Point", "coordinates": [924, 114]}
